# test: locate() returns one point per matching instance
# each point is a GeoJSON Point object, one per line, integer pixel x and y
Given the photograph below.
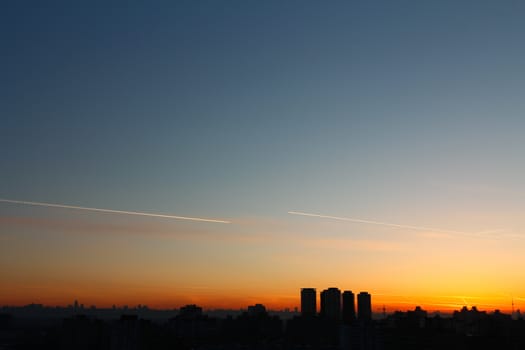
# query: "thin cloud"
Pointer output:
{"type": "Point", "coordinates": [113, 211]}
{"type": "Point", "coordinates": [389, 224]}
{"type": "Point", "coordinates": [179, 230]}
{"type": "Point", "coordinates": [355, 245]}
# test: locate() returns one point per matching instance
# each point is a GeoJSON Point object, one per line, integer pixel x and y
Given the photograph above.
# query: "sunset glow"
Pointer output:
{"type": "Point", "coordinates": [227, 154]}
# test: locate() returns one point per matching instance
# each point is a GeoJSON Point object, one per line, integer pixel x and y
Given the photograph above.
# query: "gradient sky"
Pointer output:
{"type": "Point", "coordinates": [404, 112]}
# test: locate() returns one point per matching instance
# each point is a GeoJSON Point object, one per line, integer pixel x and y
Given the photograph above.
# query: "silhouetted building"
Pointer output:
{"type": "Point", "coordinates": [190, 323]}
{"type": "Point", "coordinates": [253, 327]}
{"type": "Point", "coordinates": [417, 317]}
{"type": "Point", "coordinates": [81, 332]}
{"type": "Point", "coordinates": [308, 302]}
{"type": "Point", "coordinates": [191, 311]}
{"type": "Point", "coordinates": [126, 333]}
{"type": "Point", "coordinates": [256, 310]}
{"type": "Point", "coordinates": [331, 304]}
{"type": "Point", "coordinates": [348, 306]}
{"type": "Point", "coordinates": [6, 321]}
{"type": "Point", "coordinates": [471, 322]}
{"type": "Point", "coordinates": [364, 306]}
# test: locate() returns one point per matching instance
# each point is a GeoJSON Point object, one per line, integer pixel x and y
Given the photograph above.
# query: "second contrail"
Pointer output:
{"type": "Point", "coordinates": [361, 221]}
{"type": "Point", "coordinates": [166, 216]}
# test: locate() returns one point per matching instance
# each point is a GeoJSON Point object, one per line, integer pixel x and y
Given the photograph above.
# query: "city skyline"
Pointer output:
{"type": "Point", "coordinates": [189, 325]}
{"type": "Point", "coordinates": [229, 153]}
{"type": "Point", "coordinates": [345, 309]}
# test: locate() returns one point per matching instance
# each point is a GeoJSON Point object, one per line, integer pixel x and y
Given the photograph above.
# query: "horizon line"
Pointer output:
{"type": "Point", "coordinates": [378, 307]}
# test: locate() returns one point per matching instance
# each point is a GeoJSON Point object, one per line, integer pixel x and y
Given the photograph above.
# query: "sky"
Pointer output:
{"type": "Point", "coordinates": [399, 123]}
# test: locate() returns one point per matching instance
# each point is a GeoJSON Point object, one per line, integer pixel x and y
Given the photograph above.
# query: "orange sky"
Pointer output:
{"type": "Point", "coordinates": [166, 264]}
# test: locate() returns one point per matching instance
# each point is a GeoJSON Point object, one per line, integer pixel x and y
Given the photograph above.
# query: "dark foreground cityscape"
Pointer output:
{"type": "Point", "coordinates": [341, 324]}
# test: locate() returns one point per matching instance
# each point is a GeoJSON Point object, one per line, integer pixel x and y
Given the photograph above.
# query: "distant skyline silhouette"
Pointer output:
{"type": "Point", "coordinates": [333, 303]}
{"type": "Point", "coordinates": [191, 326]}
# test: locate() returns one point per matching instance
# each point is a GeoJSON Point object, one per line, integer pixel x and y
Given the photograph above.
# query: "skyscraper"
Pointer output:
{"type": "Point", "coordinates": [364, 306]}
{"type": "Point", "coordinates": [348, 306]}
{"type": "Point", "coordinates": [331, 304]}
{"type": "Point", "coordinates": [308, 301]}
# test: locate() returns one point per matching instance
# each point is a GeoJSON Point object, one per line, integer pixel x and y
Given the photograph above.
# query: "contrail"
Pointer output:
{"type": "Point", "coordinates": [361, 221]}
{"type": "Point", "coordinates": [114, 211]}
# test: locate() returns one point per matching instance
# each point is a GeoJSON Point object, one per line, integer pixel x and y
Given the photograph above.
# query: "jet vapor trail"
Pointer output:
{"type": "Point", "coordinates": [361, 221]}
{"type": "Point", "coordinates": [114, 211]}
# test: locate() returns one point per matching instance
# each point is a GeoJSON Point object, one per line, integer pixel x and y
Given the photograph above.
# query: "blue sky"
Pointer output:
{"type": "Point", "coordinates": [251, 108]}
{"type": "Point", "coordinates": [407, 112]}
